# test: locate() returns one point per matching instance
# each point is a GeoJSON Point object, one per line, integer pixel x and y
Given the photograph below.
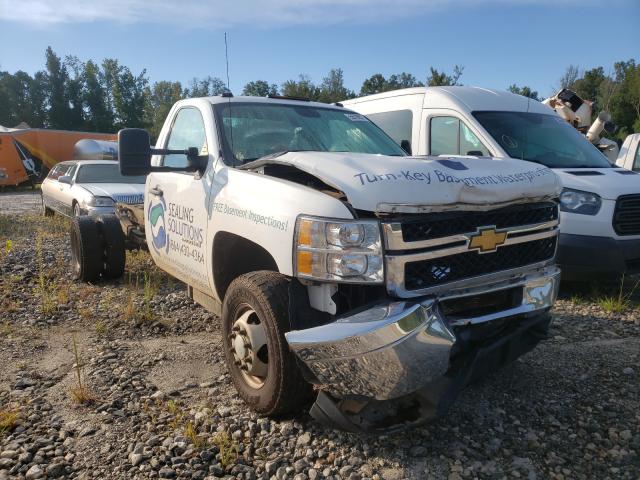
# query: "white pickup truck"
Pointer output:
{"type": "Point", "coordinates": [600, 203]}
{"type": "Point", "coordinates": [629, 156]}
{"type": "Point", "coordinates": [334, 259]}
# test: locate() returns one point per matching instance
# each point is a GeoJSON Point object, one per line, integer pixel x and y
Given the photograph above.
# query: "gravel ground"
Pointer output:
{"type": "Point", "coordinates": [22, 201]}
{"type": "Point", "coordinates": [160, 404]}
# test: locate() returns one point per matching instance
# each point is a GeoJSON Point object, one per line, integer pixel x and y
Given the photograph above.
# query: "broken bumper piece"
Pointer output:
{"type": "Point", "coordinates": [403, 363]}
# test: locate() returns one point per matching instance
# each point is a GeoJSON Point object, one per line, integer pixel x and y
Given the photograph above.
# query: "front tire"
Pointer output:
{"type": "Point", "coordinates": [256, 311]}
{"type": "Point", "coordinates": [86, 249]}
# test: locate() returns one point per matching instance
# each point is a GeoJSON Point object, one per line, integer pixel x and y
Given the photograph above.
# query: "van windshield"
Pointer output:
{"type": "Point", "coordinates": [254, 130]}
{"type": "Point", "coordinates": [541, 138]}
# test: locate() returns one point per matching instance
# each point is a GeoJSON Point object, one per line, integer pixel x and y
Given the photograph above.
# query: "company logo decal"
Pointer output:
{"type": "Point", "coordinates": [453, 164]}
{"type": "Point", "coordinates": [487, 240]}
{"type": "Point", "coordinates": [160, 238]}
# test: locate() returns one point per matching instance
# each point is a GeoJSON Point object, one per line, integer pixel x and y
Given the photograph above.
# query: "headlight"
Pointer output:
{"type": "Point", "coordinates": [101, 202]}
{"type": "Point", "coordinates": [338, 250]}
{"type": "Point", "coordinates": [577, 201]}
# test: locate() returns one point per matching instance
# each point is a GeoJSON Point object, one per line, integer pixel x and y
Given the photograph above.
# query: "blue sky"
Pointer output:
{"type": "Point", "coordinates": [499, 42]}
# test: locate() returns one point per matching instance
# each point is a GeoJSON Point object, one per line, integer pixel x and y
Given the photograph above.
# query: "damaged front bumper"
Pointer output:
{"type": "Point", "coordinates": [411, 351]}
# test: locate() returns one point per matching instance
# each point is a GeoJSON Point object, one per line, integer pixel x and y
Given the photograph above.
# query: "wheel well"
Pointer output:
{"type": "Point", "coordinates": [233, 256]}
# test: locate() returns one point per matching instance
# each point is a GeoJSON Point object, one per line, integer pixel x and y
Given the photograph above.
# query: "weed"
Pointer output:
{"type": "Point", "coordinates": [6, 329]}
{"type": "Point", "coordinates": [174, 409]}
{"type": "Point", "coordinates": [45, 289]}
{"type": "Point", "coordinates": [80, 392]}
{"type": "Point", "coordinates": [8, 420]}
{"type": "Point", "coordinates": [227, 448]}
{"type": "Point", "coordinates": [101, 328]}
{"type": "Point", "coordinates": [143, 312]}
{"type": "Point", "coordinates": [620, 302]}
{"type": "Point", "coordinates": [192, 434]}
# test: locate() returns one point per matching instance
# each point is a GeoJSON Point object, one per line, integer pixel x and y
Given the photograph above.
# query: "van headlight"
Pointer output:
{"type": "Point", "coordinates": [577, 201]}
{"type": "Point", "coordinates": [338, 250]}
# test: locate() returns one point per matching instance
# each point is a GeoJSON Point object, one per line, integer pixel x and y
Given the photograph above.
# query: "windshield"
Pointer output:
{"type": "Point", "coordinates": [541, 138]}
{"type": "Point", "coordinates": [253, 130]}
{"type": "Point", "coordinates": [104, 173]}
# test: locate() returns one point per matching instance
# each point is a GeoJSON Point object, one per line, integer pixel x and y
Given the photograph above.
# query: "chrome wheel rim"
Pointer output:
{"type": "Point", "coordinates": [248, 346]}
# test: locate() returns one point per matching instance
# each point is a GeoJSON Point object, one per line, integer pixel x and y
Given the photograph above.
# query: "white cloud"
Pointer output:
{"type": "Point", "coordinates": [228, 13]}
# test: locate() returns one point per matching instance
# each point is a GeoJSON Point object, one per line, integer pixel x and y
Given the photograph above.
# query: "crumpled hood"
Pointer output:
{"type": "Point", "coordinates": [609, 183]}
{"type": "Point", "coordinates": [114, 190]}
{"type": "Point", "coordinates": [396, 184]}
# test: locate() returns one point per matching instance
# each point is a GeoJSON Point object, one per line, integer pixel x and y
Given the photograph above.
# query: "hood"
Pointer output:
{"type": "Point", "coordinates": [609, 183]}
{"type": "Point", "coordinates": [408, 184]}
{"type": "Point", "coordinates": [114, 190]}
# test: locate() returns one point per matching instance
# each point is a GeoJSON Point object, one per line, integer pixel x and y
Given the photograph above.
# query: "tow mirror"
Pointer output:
{"type": "Point", "coordinates": [134, 154]}
{"type": "Point", "coordinates": [134, 151]}
{"type": "Point", "coordinates": [406, 146]}
{"type": "Point", "coordinates": [65, 179]}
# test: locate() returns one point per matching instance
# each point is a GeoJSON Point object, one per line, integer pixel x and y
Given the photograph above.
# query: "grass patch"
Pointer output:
{"type": "Point", "coordinates": [227, 448]}
{"type": "Point", "coordinates": [8, 420]}
{"type": "Point", "coordinates": [620, 302]}
{"type": "Point", "coordinates": [80, 392]}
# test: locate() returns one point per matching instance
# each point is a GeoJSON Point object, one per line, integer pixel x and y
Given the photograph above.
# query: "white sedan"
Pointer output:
{"type": "Point", "coordinates": [89, 187]}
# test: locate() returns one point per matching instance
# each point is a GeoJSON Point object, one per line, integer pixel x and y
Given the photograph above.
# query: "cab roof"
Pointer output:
{"type": "Point", "coordinates": [463, 98]}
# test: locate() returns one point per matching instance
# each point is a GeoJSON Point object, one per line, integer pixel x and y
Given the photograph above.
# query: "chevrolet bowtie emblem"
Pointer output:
{"type": "Point", "coordinates": [487, 240]}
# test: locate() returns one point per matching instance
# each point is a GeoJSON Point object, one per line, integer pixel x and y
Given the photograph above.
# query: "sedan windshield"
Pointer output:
{"type": "Point", "coordinates": [105, 173]}
{"type": "Point", "coordinates": [254, 130]}
{"type": "Point", "coordinates": [541, 138]}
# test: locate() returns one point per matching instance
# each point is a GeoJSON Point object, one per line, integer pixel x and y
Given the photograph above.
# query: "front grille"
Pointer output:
{"type": "Point", "coordinates": [626, 216]}
{"type": "Point", "coordinates": [437, 271]}
{"type": "Point", "coordinates": [455, 223]}
{"type": "Point", "coordinates": [129, 199]}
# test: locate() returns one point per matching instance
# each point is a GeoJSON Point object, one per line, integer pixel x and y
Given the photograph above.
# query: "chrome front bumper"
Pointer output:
{"type": "Point", "coordinates": [397, 348]}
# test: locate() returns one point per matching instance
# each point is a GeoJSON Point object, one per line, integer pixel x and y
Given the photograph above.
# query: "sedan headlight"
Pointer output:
{"type": "Point", "coordinates": [577, 201]}
{"type": "Point", "coordinates": [338, 250]}
{"type": "Point", "coordinates": [101, 202]}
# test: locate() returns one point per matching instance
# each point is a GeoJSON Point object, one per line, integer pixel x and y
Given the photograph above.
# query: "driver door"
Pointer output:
{"type": "Point", "coordinates": [176, 203]}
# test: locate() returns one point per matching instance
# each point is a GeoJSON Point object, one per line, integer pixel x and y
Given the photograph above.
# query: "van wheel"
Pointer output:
{"type": "Point", "coordinates": [113, 244]}
{"type": "Point", "coordinates": [255, 317]}
{"type": "Point", "coordinates": [86, 249]}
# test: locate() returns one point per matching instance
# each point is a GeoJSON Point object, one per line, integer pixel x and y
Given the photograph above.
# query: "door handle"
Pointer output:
{"type": "Point", "coordinates": [156, 191]}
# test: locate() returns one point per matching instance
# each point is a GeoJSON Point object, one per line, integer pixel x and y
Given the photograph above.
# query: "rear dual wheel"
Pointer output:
{"type": "Point", "coordinates": [97, 248]}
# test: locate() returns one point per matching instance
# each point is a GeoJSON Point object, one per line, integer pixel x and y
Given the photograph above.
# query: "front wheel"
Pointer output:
{"type": "Point", "coordinates": [255, 317]}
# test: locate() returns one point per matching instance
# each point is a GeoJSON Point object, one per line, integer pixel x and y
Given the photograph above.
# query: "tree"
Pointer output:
{"type": "Point", "coordinates": [59, 114]}
{"type": "Point", "coordinates": [161, 98]}
{"type": "Point", "coordinates": [303, 87]}
{"type": "Point", "coordinates": [74, 91]}
{"type": "Point", "coordinates": [259, 88]}
{"type": "Point", "coordinates": [130, 96]}
{"type": "Point", "coordinates": [406, 80]}
{"type": "Point", "coordinates": [332, 88]}
{"type": "Point", "coordinates": [437, 79]}
{"type": "Point", "coordinates": [570, 76]}
{"type": "Point", "coordinates": [207, 87]}
{"type": "Point", "coordinates": [524, 91]}
{"type": "Point", "coordinates": [378, 83]}
{"type": "Point", "coordinates": [374, 84]}
{"type": "Point", "coordinates": [98, 117]}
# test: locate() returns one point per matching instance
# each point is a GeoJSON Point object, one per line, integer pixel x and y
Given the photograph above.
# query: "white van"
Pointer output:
{"type": "Point", "coordinates": [600, 203]}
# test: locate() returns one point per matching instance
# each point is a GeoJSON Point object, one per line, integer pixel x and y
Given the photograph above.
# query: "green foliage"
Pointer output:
{"type": "Point", "coordinates": [259, 88]}
{"type": "Point", "coordinates": [72, 94]}
{"type": "Point", "coordinates": [524, 91]}
{"type": "Point", "coordinates": [437, 79]}
{"type": "Point", "coordinates": [378, 83]}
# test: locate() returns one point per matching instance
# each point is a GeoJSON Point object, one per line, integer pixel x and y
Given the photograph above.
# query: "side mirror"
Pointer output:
{"type": "Point", "coordinates": [134, 151]}
{"type": "Point", "coordinates": [65, 179]}
{"type": "Point", "coordinates": [406, 146]}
